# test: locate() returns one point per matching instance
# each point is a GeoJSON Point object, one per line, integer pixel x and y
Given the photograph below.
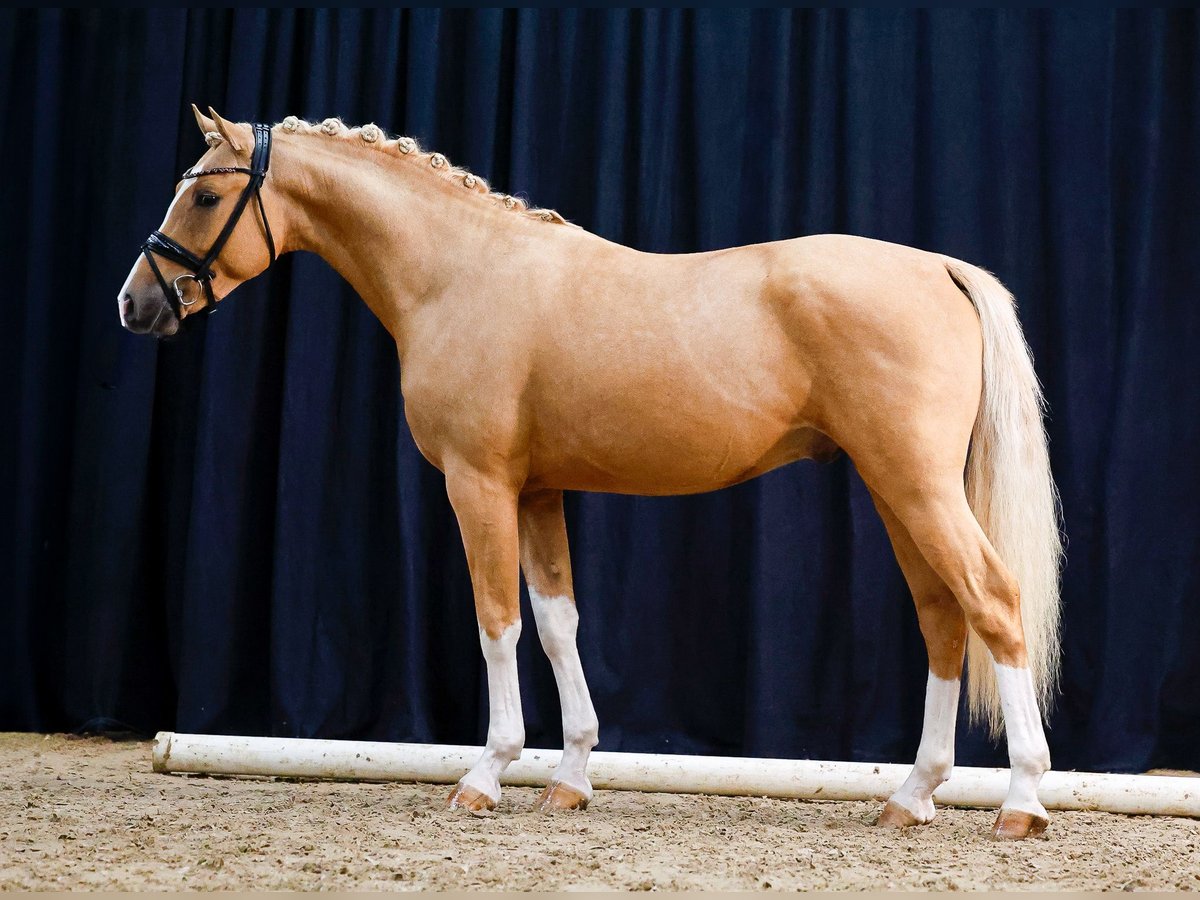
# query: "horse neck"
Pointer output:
{"type": "Point", "coordinates": [400, 236]}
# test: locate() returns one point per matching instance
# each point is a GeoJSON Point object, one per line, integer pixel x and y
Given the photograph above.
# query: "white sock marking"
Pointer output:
{"type": "Point", "coordinates": [557, 623]}
{"type": "Point", "coordinates": [1028, 753]}
{"type": "Point", "coordinates": [506, 726]}
{"type": "Point", "coordinates": [935, 755]}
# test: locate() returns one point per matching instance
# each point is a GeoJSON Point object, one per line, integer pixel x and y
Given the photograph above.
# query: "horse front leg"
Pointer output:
{"type": "Point", "coordinates": [546, 562]}
{"type": "Point", "coordinates": [486, 508]}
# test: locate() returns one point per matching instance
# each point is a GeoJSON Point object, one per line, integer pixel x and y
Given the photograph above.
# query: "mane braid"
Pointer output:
{"type": "Point", "coordinates": [371, 135]}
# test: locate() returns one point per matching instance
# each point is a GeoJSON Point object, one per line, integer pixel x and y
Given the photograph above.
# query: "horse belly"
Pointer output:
{"type": "Point", "coordinates": [670, 449]}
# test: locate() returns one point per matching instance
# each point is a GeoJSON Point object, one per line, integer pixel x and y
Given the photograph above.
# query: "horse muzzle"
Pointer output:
{"type": "Point", "coordinates": [149, 314]}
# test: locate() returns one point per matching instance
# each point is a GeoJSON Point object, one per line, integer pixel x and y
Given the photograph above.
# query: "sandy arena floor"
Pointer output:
{"type": "Point", "coordinates": [88, 813]}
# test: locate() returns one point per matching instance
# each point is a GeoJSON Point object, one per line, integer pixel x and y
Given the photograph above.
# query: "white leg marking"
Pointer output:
{"type": "Point", "coordinates": [1028, 753]}
{"type": "Point", "coordinates": [557, 623]}
{"type": "Point", "coordinates": [506, 726]}
{"type": "Point", "coordinates": [935, 755]}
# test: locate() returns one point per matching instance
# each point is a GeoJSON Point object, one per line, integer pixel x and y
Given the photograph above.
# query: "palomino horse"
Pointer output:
{"type": "Point", "coordinates": [538, 358]}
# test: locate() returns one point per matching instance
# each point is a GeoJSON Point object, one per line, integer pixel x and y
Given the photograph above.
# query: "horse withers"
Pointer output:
{"type": "Point", "coordinates": [608, 369]}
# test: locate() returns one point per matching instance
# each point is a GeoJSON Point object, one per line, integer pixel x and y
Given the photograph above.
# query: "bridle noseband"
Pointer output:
{"type": "Point", "coordinates": [200, 269]}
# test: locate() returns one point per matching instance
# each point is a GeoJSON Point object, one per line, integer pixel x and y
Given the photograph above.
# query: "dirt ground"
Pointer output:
{"type": "Point", "coordinates": [89, 813]}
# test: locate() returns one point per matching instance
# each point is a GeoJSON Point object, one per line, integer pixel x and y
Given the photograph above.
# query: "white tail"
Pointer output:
{"type": "Point", "coordinates": [1012, 492]}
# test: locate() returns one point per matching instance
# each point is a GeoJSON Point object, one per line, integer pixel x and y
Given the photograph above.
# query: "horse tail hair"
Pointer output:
{"type": "Point", "coordinates": [1011, 491]}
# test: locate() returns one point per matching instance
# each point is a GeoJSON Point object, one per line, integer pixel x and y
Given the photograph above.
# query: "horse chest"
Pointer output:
{"type": "Point", "coordinates": [450, 414]}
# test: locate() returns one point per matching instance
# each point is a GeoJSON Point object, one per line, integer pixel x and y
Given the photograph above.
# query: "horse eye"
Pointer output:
{"type": "Point", "coordinates": [207, 199]}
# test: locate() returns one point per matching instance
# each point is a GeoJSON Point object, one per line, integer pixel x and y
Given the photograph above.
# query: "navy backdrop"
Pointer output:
{"type": "Point", "coordinates": [235, 533]}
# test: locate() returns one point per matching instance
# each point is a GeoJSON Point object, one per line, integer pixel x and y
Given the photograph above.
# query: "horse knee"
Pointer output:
{"type": "Point", "coordinates": [557, 623]}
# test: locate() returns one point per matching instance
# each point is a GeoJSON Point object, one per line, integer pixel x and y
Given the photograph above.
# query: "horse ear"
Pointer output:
{"type": "Point", "coordinates": [205, 124]}
{"type": "Point", "coordinates": [228, 130]}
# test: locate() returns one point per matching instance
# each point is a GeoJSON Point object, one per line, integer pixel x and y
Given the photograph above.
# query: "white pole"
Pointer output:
{"type": "Point", "coordinates": [794, 778]}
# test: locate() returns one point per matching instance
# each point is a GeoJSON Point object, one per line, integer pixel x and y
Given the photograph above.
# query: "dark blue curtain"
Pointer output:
{"type": "Point", "coordinates": [234, 532]}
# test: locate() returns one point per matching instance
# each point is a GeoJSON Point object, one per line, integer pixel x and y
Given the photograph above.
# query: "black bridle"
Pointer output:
{"type": "Point", "coordinates": [200, 269]}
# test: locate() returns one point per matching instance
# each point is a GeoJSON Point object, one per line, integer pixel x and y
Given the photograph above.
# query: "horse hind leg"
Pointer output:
{"type": "Point", "coordinates": [546, 561]}
{"type": "Point", "coordinates": [943, 528]}
{"type": "Point", "coordinates": [944, 628]}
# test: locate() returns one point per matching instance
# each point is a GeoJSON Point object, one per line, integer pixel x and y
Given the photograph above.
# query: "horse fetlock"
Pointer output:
{"type": "Point", "coordinates": [1029, 770]}
{"type": "Point", "coordinates": [936, 770]}
{"type": "Point", "coordinates": [582, 735]}
{"type": "Point", "coordinates": [1029, 757]}
{"type": "Point", "coordinates": [505, 746]}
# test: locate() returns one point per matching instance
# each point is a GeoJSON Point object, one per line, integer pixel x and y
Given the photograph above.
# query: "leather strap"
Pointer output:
{"type": "Point", "coordinates": [200, 269]}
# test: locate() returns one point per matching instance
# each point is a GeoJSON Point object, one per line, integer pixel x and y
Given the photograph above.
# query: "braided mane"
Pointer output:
{"type": "Point", "coordinates": [406, 148]}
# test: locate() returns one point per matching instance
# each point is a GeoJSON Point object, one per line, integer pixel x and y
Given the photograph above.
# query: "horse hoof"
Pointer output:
{"type": "Point", "coordinates": [896, 816]}
{"type": "Point", "coordinates": [1015, 825]}
{"type": "Point", "coordinates": [466, 797]}
{"type": "Point", "coordinates": [558, 796]}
